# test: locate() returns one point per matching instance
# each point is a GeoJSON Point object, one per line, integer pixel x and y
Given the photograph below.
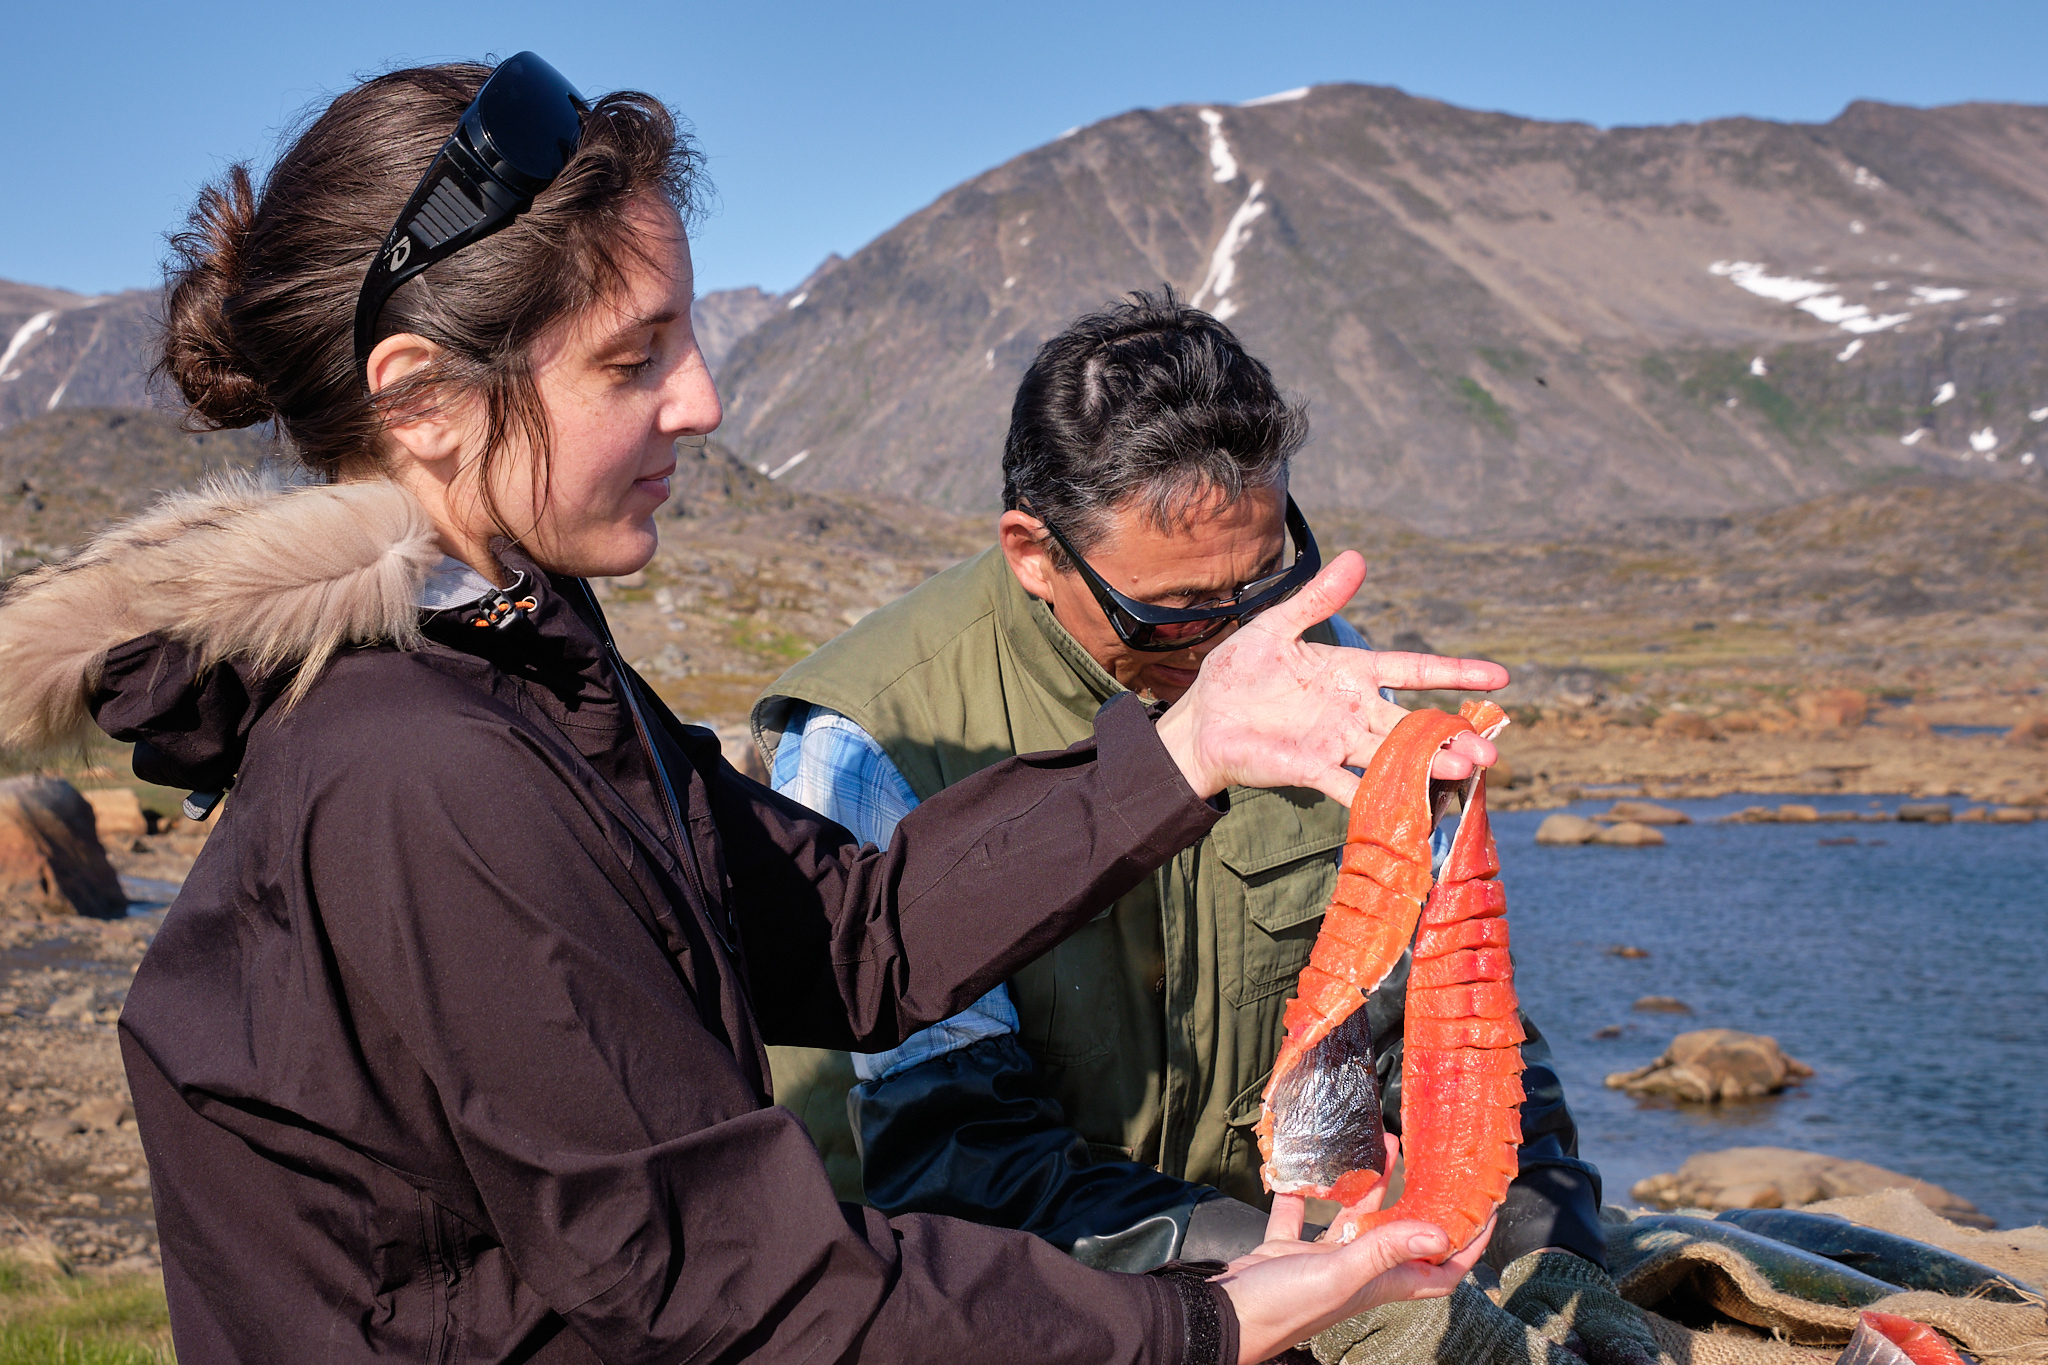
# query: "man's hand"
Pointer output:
{"type": "Point", "coordinates": [1268, 710]}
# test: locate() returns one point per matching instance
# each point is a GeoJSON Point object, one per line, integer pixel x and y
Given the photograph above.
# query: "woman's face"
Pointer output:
{"type": "Point", "coordinates": [620, 383]}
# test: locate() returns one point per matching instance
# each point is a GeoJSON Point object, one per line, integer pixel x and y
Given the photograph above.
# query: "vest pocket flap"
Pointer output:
{"type": "Point", "coordinates": [1269, 829]}
{"type": "Point", "coordinates": [1244, 1110]}
{"type": "Point", "coordinates": [1282, 901]}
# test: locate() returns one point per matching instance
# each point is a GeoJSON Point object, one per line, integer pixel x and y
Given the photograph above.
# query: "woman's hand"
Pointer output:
{"type": "Point", "coordinates": [1286, 1290]}
{"type": "Point", "coordinates": [1268, 710]}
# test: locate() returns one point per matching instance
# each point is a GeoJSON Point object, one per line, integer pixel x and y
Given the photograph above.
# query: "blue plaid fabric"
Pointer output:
{"type": "Point", "coordinates": [837, 769]}
{"type": "Point", "coordinates": [830, 764]}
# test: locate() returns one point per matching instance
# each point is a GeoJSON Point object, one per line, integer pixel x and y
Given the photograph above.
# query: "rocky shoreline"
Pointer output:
{"type": "Point", "coordinates": [1556, 761]}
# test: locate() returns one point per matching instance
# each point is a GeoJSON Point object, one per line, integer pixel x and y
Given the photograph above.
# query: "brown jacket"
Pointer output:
{"type": "Point", "coordinates": [451, 1050]}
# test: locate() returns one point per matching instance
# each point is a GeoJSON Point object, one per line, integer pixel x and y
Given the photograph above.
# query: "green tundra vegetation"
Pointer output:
{"type": "Point", "coordinates": [51, 1317]}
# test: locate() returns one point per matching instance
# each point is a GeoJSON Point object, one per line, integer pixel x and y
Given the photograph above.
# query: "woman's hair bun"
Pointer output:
{"type": "Point", "coordinates": [200, 354]}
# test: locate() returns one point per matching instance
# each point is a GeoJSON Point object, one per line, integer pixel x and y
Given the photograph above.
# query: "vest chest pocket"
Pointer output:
{"type": "Point", "coordinates": [1279, 854]}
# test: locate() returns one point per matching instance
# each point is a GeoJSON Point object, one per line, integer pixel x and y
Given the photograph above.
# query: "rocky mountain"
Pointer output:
{"type": "Point", "coordinates": [1499, 323]}
{"type": "Point", "coordinates": [723, 316]}
{"type": "Point", "coordinates": [65, 474]}
{"type": "Point", "coordinates": [59, 349]}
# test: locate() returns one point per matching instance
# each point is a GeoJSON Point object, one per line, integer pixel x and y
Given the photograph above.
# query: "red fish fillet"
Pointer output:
{"type": "Point", "coordinates": [1461, 1089]}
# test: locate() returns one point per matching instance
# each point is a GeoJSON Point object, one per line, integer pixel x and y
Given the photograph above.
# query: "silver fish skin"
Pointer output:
{"type": "Point", "coordinates": [1868, 1347]}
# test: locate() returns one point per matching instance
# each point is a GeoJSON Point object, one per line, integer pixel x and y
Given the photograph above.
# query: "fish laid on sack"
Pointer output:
{"type": "Point", "coordinates": [1888, 1339]}
{"type": "Point", "coordinates": [1787, 1269]}
{"type": "Point", "coordinates": [1461, 1071]}
{"type": "Point", "coordinates": [1885, 1255]}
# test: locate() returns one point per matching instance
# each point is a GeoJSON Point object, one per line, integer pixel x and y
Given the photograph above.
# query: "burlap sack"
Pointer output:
{"type": "Point", "coordinates": [1695, 1276]}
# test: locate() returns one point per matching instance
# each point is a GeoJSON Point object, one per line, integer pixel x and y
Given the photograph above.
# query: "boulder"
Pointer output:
{"type": "Point", "coordinates": [2010, 815]}
{"type": "Point", "coordinates": [1711, 1065]}
{"type": "Point", "coordinates": [51, 859]}
{"type": "Point", "coordinates": [53, 1129]}
{"type": "Point", "coordinates": [2029, 734]}
{"type": "Point", "coordinates": [1500, 777]}
{"type": "Point", "coordinates": [1832, 708]}
{"type": "Point", "coordinates": [741, 753]}
{"type": "Point", "coordinates": [1629, 834]}
{"type": "Point", "coordinates": [1925, 812]}
{"type": "Point", "coordinates": [102, 1115]}
{"type": "Point", "coordinates": [79, 1004]}
{"type": "Point", "coordinates": [1661, 1004]}
{"type": "Point", "coordinates": [1685, 725]}
{"type": "Point", "coordinates": [117, 814]}
{"type": "Point", "coordinates": [1644, 813]}
{"type": "Point", "coordinates": [1564, 829]}
{"type": "Point", "coordinates": [1784, 1177]}
{"type": "Point", "coordinates": [1797, 814]}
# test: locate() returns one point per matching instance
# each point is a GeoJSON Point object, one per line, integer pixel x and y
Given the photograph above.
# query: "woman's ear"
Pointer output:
{"type": "Point", "coordinates": [438, 433]}
{"type": "Point", "coordinates": [1023, 540]}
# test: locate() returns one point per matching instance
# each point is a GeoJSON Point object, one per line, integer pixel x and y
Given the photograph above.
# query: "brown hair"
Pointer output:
{"type": "Point", "coordinates": [262, 284]}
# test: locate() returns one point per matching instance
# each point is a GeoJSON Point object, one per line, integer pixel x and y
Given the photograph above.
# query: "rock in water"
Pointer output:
{"type": "Point", "coordinates": [1566, 830]}
{"type": "Point", "coordinates": [1644, 813]}
{"type": "Point", "coordinates": [51, 860]}
{"type": "Point", "coordinates": [1629, 834]}
{"type": "Point", "coordinates": [1714, 1064]}
{"type": "Point", "coordinates": [1775, 1177]}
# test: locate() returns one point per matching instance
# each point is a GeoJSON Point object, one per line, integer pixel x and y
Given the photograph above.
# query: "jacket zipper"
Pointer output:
{"type": "Point", "coordinates": [686, 852]}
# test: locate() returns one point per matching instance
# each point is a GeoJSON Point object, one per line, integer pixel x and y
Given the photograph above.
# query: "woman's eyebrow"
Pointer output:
{"type": "Point", "coordinates": [626, 330]}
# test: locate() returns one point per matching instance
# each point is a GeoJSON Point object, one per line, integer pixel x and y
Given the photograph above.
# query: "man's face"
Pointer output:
{"type": "Point", "coordinates": [1224, 546]}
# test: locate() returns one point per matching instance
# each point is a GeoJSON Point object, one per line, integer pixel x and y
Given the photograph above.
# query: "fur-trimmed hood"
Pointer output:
{"type": "Point", "coordinates": [255, 572]}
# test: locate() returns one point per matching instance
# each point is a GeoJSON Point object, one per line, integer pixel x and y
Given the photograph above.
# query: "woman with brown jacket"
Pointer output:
{"type": "Point", "coordinates": [452, 1046]}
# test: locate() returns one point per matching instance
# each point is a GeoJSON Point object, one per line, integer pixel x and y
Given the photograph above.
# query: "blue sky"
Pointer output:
{"type": "Point", "coordinates": [825, 124]}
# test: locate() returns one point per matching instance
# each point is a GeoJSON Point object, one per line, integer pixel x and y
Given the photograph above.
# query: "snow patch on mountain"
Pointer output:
{"type": "Point", "coordinates": [1219, 148]}
{"type": "Point", "coordinates": [23, 335]}
{"type": "Point", "coordinates": [1223, 260]}
{"type": "Point", "coordinates": [1809, 296]}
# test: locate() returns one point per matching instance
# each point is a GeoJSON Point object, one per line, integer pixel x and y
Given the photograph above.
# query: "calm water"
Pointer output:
{"type": "Point", "coordinates": [1910, 970]}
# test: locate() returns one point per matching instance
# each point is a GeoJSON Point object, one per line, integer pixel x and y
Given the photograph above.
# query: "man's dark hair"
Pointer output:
{"type": "Point", "coordinates": [1148, 399]}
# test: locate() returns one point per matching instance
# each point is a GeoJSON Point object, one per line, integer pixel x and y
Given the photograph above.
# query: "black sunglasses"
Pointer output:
{"type": "Point", "coordinates": [1141, 625]}
{"type": "Point", "coordinates": [511, 143]}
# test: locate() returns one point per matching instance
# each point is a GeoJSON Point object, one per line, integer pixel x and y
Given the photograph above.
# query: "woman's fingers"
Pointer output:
{"type": "Point", "coordinates": [1287, 1292]}
{"type": "Point", "coordinates": [1284, 1223]}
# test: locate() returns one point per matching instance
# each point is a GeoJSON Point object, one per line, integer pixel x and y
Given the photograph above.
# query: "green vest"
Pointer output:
{"type": "Point", "coordinates": [1156, 1024]}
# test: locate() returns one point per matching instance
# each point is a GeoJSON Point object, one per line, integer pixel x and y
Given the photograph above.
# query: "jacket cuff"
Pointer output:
{"type": "Point", "coordinates": [1158, 805]}
{"type": "Point", "coordinates": [1208, 1320]}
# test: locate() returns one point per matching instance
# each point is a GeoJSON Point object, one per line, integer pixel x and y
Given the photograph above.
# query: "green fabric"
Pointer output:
{"type": "Point", "coordinates": [1571, 1301]}
{"type": "Point", "coordinates": [1156, 1024]}
{"type": "Point", "coordinates": [1462, 1328]}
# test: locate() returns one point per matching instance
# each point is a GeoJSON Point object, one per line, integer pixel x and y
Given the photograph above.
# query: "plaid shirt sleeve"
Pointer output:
{"type": "Point", "coordinates": [837, 769]}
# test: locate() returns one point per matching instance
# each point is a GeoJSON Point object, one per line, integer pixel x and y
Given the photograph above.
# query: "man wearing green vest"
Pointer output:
{"type": "Point", "coordinates": [1104, 1097]}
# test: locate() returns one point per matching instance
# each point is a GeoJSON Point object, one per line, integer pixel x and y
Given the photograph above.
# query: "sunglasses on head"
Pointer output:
{"type": "Point", "coordinates": [510, 144]}
{"type": "Point", "coordinates": [1142, 625]}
